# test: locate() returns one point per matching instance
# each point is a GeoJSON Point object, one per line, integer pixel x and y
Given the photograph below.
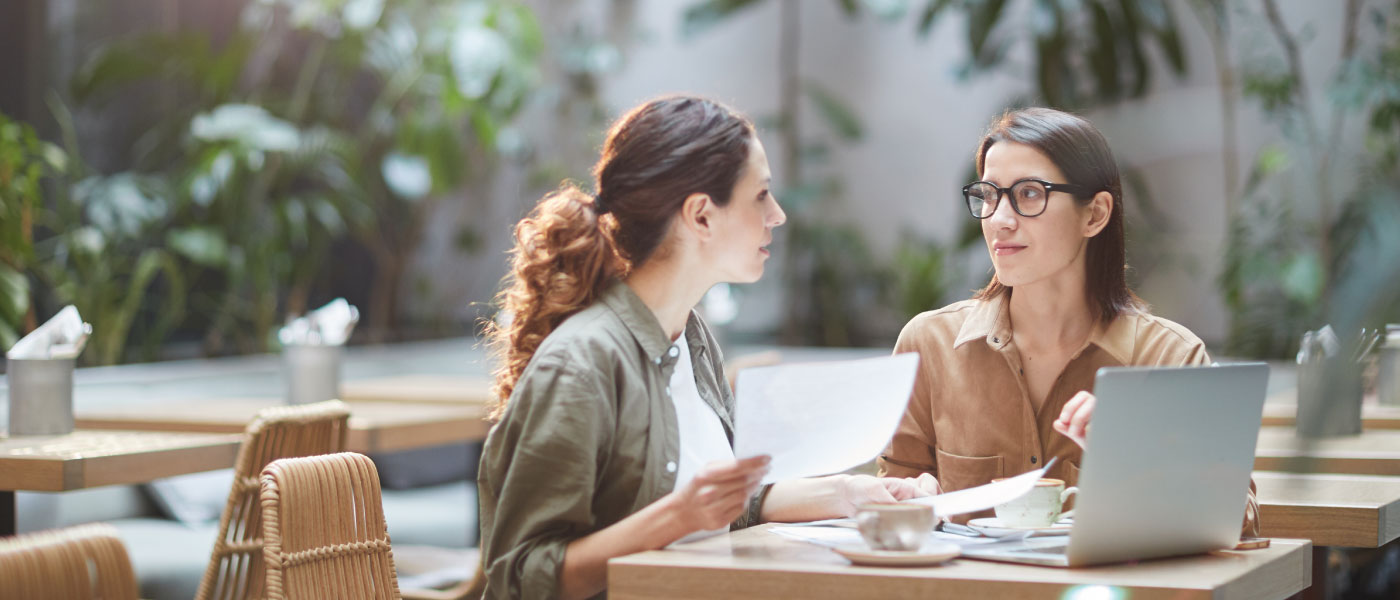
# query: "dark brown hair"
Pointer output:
{"type": "Point", "coordinates": [1082, 155]}
{"type": "Point", "coordinates": [572, 245]}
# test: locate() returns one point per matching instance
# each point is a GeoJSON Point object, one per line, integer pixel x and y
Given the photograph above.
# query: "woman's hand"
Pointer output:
{"type": "Point", "coordinates": [926, 483]}
{"type": "Point", "coordinates": [864, 489]}
{"type": "Point", "coordinates": [719, 493]}
{"type": "Point", "coordinates": [1074, 419]}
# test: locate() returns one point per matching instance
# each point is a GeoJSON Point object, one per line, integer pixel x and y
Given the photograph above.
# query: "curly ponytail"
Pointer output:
{"type": "Point", "coordinates": [565, 254]}
{"type": "Point", "coordinates": [572, 246]}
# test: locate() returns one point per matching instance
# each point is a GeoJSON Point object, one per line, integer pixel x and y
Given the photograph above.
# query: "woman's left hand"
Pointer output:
{"type": "Point", "coordinates": [865, 489]}
{"type": "Point", "coordinates": [1074, 419]}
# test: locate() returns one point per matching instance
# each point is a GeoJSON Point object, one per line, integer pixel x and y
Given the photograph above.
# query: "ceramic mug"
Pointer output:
{"type": "Point", "coordinates": [1040, 507]}
{"type": "Point", "coordinates": [900, 527]}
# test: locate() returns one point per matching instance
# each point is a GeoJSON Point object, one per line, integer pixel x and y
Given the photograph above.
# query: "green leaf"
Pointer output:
{"type": "Point", "coordinates": [204, 246]}
{"type": "Point", "coordinates": [1302, 278]}
{"type": "Point", "coordinates": [930, 16]}
{"type": "Point", "coordinates": [701, 16]}
{"type": "Point", "coordinates": [1141, 72]}
{"type": "Point", "coordinates": [837, 115]}
{"type": "Point", "coordinates": [14, 295]}
{"type": "Point", "coordinates": [8, 335]}
{"type": "Point", "coordinates": [1169, 40]}
{"type": "Point", "coordinates": [1104, 58]}
{"type": "Point", "coordinates": [981, 20]}
{"type": "Point", "coordinates": [407, 176]}
{"type": "Point", "coordinates": [180, 57]}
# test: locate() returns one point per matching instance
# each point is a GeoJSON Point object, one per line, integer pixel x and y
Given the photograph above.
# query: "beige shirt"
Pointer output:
{"type": "Point", "coordinates": [971, 418]}
{"type": "Point", "coordinates": [589, 437]}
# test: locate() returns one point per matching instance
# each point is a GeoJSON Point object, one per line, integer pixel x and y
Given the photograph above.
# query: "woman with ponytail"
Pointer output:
{"type": "Point", "coordinates": [615, 426]}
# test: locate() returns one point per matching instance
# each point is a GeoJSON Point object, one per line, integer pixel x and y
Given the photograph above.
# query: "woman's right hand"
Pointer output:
{"type": "Point", "coordinates": [719, 492]}
{"type": "Point", "coordinates": [926, 482]}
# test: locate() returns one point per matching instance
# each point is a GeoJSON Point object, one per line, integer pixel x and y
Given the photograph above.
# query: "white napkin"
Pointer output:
{"type": "Point", "coordinates": [329, 325]}
{"type": "Point", "coordinates": [63, 336]}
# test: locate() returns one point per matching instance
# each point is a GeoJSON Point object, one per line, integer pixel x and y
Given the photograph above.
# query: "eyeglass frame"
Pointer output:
{"type": "Point", "coordinates": [1068, 188]}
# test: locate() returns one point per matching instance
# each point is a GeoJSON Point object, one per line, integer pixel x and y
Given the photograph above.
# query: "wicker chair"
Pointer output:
{"type": "Point", "coordinates": [235, 570]}
{"type": "Point", "coordinates": [323, 530]}
{"type": "Point", "coordinates": [87, 562]}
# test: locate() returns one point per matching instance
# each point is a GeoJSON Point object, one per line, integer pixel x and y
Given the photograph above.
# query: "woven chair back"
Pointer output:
{"type": "Point", "coordinates": [87, 562]}
{"type": "Point", "coordinates": [323, 530]}
{"type": "Point", "coordinates": [235, 570]}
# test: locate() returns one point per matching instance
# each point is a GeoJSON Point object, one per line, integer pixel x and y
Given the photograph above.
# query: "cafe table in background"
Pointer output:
{"type": "Point", "coordinates": [375, 427]}
{"type": "Point", "coordinates": [86, 458]}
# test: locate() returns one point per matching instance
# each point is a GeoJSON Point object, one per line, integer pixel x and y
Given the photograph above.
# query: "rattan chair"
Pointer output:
{"type": "Point", "coordinates": [235, 570]}
{"type": "Point", "coordinates": [87, 562]}
{"type": "Point", "coordinates": [323, 530]}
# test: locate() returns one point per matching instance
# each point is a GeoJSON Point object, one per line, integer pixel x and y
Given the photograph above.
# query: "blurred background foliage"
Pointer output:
{"type": "Point", "coordinates": [317, 125]}
{"type": "Point", "coordinates": [302, 153]}
{"type": "Point", "coordinates": [1312, 240]}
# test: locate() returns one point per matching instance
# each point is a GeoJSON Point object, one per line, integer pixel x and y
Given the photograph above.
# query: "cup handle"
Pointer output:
{"type": "Point", "coordinates": [865, 519]}
{"type": "Point", "coordinates": [1065, 496]}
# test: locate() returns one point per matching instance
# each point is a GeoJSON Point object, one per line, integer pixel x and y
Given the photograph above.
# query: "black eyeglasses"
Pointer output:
{"type": "Point", "coordinates": [1028, 196]}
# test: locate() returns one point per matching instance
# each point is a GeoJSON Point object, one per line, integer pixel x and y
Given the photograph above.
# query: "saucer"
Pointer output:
{"type": "Point", "coordinates": [992, 527]}
{"type": "Point", "coordinates": [931, 554]}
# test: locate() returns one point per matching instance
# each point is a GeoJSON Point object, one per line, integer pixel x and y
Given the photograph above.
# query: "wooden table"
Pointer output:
{"type": "Point", "coordinates": [1374, 452]}
{"type": "Point", "coordinates": [85, 459]}
{"type": "Point", "coordinates": [1358, 511]}
{"type": "Point", "coordinates": [430, 389]}
{"type": "Point", "coordinates": [1373, 416]}
{"type": "Point", "coordinates": [375, 427]}
{"type": "Point", "coordinates": [756, 564]}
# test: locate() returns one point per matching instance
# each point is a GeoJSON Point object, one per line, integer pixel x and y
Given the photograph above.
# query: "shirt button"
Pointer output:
{"type": "Point", "coordinates": [1032, 460]}
{"type": "Point", "coordinates": [658, 360]}
{"type": "Point", "coordinates": [668, 390]}
{"type": "Point", "coordinates": [671, 467]}
{"type": "Point", "coordinates": [675, 351]}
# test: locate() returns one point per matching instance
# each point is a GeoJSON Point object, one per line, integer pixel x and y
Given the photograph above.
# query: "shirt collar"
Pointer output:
{"type": "Point", "coordinates": [1118, 338]}
{"type": "Point", "coordinates": [642, 323]}
{"type": "Point", "coordinates": [990, 320]}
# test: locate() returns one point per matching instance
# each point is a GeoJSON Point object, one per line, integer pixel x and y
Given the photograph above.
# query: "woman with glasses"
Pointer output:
{"type": "Point", "coordinates": [616, 427]}
{"type": "Point", "coordinates": [1002, 386]}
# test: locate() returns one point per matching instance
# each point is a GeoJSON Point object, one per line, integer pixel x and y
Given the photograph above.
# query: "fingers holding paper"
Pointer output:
{"type": "Point", "coordinates": [720, 492]}
{"type": "Point", "coordinates": [927, 483]}
{"type": "Point", "coordinates": [865, 489]}
{"type": "Point", "coordinates": [1074, 419]}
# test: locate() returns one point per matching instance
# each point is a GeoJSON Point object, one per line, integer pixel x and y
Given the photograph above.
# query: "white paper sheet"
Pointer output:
{"type": "Point", "coordinates": [982, 497]}
{"type": "Point", "coordinates": [835, 537]}
{"type": "Point", "coordinates": [821, 418]}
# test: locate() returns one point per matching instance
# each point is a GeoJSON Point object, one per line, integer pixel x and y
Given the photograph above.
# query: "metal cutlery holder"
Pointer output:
{"type": "Point", "coordinates": [41, 395]}
{"type": "Point", "coordinates": [1329, 397]}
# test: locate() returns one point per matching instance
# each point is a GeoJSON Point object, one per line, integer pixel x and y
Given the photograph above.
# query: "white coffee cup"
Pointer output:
{"type": "Point", "coordinates": [1039, 507]}
{"type": "Point", "coordinates": [898, 527]}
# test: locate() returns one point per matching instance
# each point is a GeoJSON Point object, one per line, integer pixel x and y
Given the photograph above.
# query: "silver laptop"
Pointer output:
{"type": "Point", "coordinates": [1166, 470]}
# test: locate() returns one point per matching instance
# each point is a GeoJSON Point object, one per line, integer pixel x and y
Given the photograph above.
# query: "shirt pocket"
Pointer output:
{"type": "Point", "coordinates": [961, 472]}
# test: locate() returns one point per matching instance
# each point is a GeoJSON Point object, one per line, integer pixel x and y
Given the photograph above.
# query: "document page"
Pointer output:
{"type": "Point", "coordinates": [983, 497]}
{"type": "Point", "coordinates": [821, 418]}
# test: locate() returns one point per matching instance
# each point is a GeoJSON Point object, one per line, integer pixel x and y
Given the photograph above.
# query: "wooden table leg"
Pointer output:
{"type": "Point", "coordinates": [7, 513]}
{"type": "Point", "coordinates": [1318, 591]}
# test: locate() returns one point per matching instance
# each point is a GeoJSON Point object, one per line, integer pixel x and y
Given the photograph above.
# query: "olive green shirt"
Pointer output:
{"type": "Point", "coordinates": [589, 437]}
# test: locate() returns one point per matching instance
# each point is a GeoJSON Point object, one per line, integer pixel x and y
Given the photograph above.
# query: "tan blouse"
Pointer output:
{"type": "Point", "coordinates": [971, 418]}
